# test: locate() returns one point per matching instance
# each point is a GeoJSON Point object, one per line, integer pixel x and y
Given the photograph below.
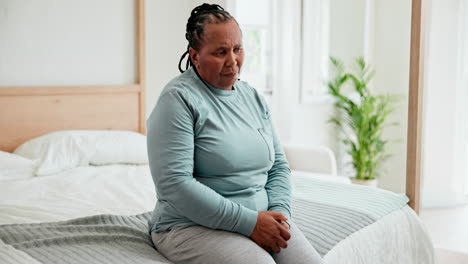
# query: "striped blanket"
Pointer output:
{"type": "Point", "coordinates": [326, 212]}
{"type": "Point", "coordinates": [329, 212]}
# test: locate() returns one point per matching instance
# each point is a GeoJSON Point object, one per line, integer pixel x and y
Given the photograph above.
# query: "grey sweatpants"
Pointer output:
{"type": "Point", "coordinates": [198, 244]}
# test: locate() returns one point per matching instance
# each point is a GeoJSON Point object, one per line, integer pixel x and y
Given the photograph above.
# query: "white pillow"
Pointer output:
{"type": "Point", "coordinates": [15, 167]}
{"type": "Point", "coordinates": [67, 149]}
{"type": "Point", "coordinates": [56, 152]}
{"type": "Point", "coordinates": [117, 146]}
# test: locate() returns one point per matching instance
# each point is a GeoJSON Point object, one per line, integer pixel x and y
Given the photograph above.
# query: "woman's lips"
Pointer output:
{"type": "Point", "coordinates": [229, 74]}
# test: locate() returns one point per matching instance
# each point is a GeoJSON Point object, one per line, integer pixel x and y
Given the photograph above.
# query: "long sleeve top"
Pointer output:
{"type": "Point", "coordinates": [214, 157]}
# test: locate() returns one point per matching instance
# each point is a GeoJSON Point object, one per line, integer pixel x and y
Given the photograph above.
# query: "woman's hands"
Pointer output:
{"type": "Point", "coordinates": [270, 232]}
{"type": "Point", "coordinates": [286, 225]}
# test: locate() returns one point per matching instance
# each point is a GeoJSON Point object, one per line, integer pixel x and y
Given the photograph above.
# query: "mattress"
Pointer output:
{"type": "Point", "coordinates": [395, 235]}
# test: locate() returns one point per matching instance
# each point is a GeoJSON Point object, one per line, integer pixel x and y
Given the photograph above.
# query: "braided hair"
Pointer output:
{"type": "Point", "coordinates": [199, 17]}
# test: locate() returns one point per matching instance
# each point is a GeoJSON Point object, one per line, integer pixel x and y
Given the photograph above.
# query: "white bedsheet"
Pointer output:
{"type": "Point", "coordinates": [82, 191]}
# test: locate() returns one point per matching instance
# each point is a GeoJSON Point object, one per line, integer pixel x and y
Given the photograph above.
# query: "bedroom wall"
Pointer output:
{"type": "Point", "coordinates": [347, 29]}
{"type": "Point", "coordinates": [52, 42]}
{"type": "Point", "coordinates": [165, 43]}
{"type": "Point", "coordinates": [390, 53]}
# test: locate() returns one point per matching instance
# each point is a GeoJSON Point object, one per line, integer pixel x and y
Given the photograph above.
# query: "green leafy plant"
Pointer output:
{"type": "Point", "coordinates": [361, 116]}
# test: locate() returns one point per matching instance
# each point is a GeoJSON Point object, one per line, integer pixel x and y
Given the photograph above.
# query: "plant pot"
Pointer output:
{"type": "Point", "coordinates": [370, 183]}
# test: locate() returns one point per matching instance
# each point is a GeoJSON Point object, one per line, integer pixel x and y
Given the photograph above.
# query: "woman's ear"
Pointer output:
{"type": "Point", "coordinates": [193, 53]}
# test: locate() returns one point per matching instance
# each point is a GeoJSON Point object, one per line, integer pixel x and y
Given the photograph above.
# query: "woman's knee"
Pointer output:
{"type": "Point", "coordinates": [299, 250]}
{"type": "Point", "coordinates": [232, 248]}
{"type": "Point", "coordinates": [204, 245]}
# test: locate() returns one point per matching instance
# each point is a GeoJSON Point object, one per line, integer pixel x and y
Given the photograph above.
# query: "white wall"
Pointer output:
{"type": "Point", "coordinates": [347, 29]}
{"type": "Point", "coordinates": [165, 44]}
{"type": "Point", "coordinates": [53, 42]}
{"type": "Point", "coordinates": [390, 57]}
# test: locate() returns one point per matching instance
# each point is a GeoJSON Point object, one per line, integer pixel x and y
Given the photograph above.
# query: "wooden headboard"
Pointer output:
{"type": "Point", "coordinates": [28, 112]}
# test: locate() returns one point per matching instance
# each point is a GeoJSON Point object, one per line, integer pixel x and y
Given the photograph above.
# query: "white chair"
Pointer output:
{"type": "Point", "coordinates": [316, 162]}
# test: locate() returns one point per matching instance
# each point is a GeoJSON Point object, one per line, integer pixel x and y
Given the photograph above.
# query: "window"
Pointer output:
{"type": "Point", "coordinates": [254, 20]}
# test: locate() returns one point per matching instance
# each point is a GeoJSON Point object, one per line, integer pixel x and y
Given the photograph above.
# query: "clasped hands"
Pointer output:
{"type": "Point", "coordinates": [271, 232]}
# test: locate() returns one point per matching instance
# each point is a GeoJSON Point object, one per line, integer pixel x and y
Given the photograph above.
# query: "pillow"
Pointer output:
{"type": "Point", "coordinates": [67, 149]}
{"type": "Point", "coordinates": [15, 167]}
{"type": "Point", "coordinates": [56, 152]}
{"type": "Point", "coordinates": [116, 146]}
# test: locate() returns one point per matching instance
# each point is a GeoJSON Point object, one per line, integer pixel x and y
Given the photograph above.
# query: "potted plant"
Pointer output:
{"type": "Point", "coordinates": [361, 117]}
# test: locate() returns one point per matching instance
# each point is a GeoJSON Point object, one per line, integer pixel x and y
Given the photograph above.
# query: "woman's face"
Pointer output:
{"type": "Point", "coordinates": [220, 56]}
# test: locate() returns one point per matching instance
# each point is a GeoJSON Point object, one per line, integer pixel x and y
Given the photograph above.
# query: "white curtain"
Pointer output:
{"type": "Point", "coordinates": [286, 40]}
{"type": "Point", "coordinates": [444, 131]}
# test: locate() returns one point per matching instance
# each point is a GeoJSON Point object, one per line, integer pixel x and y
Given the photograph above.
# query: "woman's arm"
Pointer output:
{"type": "Point", "coordinates": [171, 158]}
{"type": "Point", "coordinates": [278, 185]}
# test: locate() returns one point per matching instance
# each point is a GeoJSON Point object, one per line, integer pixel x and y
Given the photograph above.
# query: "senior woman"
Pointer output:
{"type": "Point", "coordinates": [221, 177]}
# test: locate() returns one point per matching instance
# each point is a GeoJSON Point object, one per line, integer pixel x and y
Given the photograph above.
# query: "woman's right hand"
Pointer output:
{"type": "Point", "coordinates": [269, 233]}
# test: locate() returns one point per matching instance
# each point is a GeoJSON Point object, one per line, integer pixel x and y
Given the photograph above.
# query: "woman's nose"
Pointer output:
{"type": "Point", "coordinates": [231, 59]}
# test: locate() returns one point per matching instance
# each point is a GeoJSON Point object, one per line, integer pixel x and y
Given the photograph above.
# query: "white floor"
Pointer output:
{"type": "Point", "coordinates": [448, 228]}
{"type": "Point", "coordinates": [450, 257]}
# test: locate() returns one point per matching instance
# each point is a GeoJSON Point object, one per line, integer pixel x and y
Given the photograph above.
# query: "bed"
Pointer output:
{"type": "Point", "coordinates": [60, 204]}
{"type": "Point", "coordinates": [84, 208]}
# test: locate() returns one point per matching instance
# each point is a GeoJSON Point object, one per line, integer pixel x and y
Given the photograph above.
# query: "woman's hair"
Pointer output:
{"type": "Point", "coordinates": [199, 17]}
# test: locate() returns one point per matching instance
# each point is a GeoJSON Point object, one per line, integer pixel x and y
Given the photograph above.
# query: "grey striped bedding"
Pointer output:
{"type": "Point", "coordinates": [326, 212]}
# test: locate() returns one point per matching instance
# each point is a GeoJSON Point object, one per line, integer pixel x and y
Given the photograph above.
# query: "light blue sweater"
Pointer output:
{"type": "Point", "coordinates": [214, 157]}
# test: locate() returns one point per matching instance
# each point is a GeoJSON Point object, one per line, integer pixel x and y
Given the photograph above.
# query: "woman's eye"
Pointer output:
{"type": "Point", "coordinates": [220, 53]}
{"type": "Point", "coordinates": [237, 50]}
